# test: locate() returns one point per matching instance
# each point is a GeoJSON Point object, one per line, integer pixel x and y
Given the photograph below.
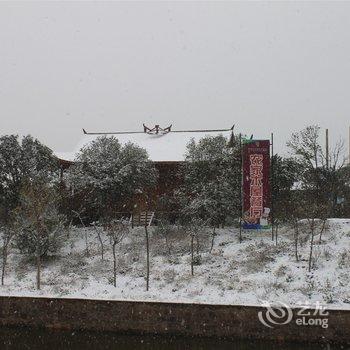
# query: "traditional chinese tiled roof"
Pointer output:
{"type": "Point", "coordinates": [162, 147]}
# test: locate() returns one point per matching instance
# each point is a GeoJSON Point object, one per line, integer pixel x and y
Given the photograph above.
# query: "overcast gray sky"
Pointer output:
{"type": "Point", "coordinates": [266, 67]}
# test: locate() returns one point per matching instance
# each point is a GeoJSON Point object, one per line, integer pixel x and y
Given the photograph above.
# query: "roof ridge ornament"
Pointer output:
{"type": "Point", "coordinates": [147, 130]}
{"type": "Point", "coordinates": [156, 130]}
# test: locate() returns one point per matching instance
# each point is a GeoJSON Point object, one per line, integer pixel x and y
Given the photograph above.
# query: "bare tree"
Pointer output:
{"type": "Point", "coordinates": [97, 229]}
{"type": "Point", "coordinates": [164, 230]}
{"type": "Point", "coordinates": [116, 230]}
{"type": "Point", "coordinates": [321, 179]}
{"type": "Point", "coordinates": [316, 226]}
{"type": "Point", "coordinates": [296, 238]}
{"type": "Point", "coordinates": [324, 225]}
{"type": "Point", "coordinates": [78, 215]}
{"type": "Point", "coordinates": [305, 145]}
{"type": "Point", "coordinates": [321, 173]}
{"type": "Point", "coordinates": [275, 230]}
{"type": "Point", "coordinates": [213, 235]}
{"type": "Point", "coordinates": [312, 232]}
{"type": "Point", "coordinates": [194, 227]}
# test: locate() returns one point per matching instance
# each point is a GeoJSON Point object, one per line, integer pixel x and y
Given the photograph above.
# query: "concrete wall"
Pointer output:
{"type": "Point", "coordinates": [165, 318]}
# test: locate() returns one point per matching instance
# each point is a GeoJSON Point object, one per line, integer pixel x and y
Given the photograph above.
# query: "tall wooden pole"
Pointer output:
{"type": "Point", "coordinates": [272, 189]}
{"type": "Point", "coordinates": [327, 150]}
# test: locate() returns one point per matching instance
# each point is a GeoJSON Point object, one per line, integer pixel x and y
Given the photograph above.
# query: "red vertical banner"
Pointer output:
{"type": "Point", "coordinates": [256, 184]}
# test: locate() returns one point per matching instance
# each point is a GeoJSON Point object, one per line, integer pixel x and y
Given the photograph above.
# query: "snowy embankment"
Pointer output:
{"type": "Point", "coordinates": [233, 273]}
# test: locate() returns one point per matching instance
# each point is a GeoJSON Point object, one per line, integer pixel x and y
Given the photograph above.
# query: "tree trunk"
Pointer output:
{"type": "Point", "coordinates": [240, 230]}
{"type": "Point", "coordinates": [311, 244]}
{"type": "Point", "coordinates": [85, 232]}
{"type": "Point", "coordinates": [38, 272]}
{"type": "Point", "coordinates": [69, 228]}
{"type": "Point", "coordinates": [167, 244]}
{"type": "Point", "coordinates": [4, 261]}
{"type": "Point", "coordinates": [192, 253]}
{"type": "Point", "coordinates": [86, 243]}
{"type": "Point", "coordinates": [147, 257]}
{"type": "Point", "coordinates": [296, 239]}
{"type": "Point", "coordinates": [114, 266]}
{"type": "Point", "coordinates": [276, 233]}
{"type": "Point", "coordinates": [197, 243]}
{"type": "Point", "coordinates": [100, 240]}
{"type": "Point", "coordinates": [212, 239]}
{"type": "Point", "coordinates": [322, 229]}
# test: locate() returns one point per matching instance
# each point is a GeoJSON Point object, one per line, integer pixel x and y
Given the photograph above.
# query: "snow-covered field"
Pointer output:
{"type": "Point", "coordinates": [233, 273]}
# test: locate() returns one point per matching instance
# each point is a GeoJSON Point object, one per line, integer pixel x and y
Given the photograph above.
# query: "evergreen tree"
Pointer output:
{"type": "Point", "coordinates": [284, 178]}
{"type": "Point", "coordinates": [212, 180]}
{"type": "Point", "coordinates": [38, 224]}
{"type": "Point", "coordinates": [21, 161]}
{"type": "Point", "coordinates": [110, 174]}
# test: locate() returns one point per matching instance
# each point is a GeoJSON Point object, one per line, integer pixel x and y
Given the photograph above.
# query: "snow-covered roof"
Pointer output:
{"type": "Point", "coordinates": [170, 146]}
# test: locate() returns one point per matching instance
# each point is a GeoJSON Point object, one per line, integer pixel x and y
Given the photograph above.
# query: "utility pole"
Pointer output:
{"type": "Point", "coordinates": [327, 150]}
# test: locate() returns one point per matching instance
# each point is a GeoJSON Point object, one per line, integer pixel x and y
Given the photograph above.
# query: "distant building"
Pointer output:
{"type": "Point", "coordinates": [165, 147]}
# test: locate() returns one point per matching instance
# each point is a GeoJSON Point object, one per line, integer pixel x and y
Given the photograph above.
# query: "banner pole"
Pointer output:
{"type": "Point", "coordinates": [272, 189]}
{"type": "Point", "coordinates": [241, 194]}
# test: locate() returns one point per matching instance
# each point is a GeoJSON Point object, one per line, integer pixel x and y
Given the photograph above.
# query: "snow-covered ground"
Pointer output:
{"type": "Point", "coordinates": [233, 273]}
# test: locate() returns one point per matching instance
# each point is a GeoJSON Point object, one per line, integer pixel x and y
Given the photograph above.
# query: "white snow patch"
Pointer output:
{"type": "Point", "coordinates": [233, 273]}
